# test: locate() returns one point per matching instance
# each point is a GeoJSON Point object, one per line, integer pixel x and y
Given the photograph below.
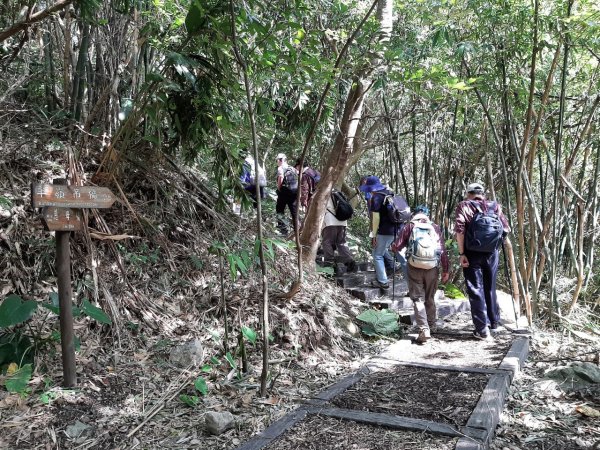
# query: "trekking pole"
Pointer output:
{"type": "Point", "coordinates": [394, 268]}
{"type": "Point", "coordinates": [510, 286]}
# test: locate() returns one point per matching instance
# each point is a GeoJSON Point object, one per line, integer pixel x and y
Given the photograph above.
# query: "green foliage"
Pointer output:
{"type": "Point", "coordinates": [329, 271]}
{"type": "Point", "coordinates": [15, 347]}
{"type": "Point", "coordinates": [249, 334]}
{"type": "Point", "coordinates": [190, 400]}
{"type": "Point", "coordinates": [5, 203]}
{"type": "Point", "coordinates": [86, 308]}
{"type": "Point", "coordinates": [94, 312]}
{"type": "Point", "coordinates": [379, 322]}
{"type": "Point", "coordinates": [230, 360]}
{"type": "Point", "coordinates": [17, 382]}
{"type": "Point", "coordinates": [14, 311]}
{"type": "Point", "coordinates": [452, 291]}
{"type": "Point", "coordinates": [201, 386]}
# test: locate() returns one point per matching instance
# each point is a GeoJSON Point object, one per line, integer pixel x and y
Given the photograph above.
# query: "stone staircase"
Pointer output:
{"type": "Point", "coordinates": [358, 284]}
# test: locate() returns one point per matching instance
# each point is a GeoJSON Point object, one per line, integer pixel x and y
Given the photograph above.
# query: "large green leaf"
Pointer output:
{"type": "Point", "coordinates": [18, 381]}
{"type": "Point", "coordinates": [249, 334]}
{"type": "Point", "coordinates": [14, 310]}
{"type": "Point", "coordinates": [94, 312]}
{"type": "Point", "coordinates": [201, 386]}
{"type": "Point", "coordinates": [383, 322]}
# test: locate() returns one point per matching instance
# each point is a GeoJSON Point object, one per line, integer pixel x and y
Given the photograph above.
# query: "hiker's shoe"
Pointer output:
{"type": "Point", "coordinates": [483, 336]}
{"type": "Point", "coordinates": [377, 284]}
{"type": "Point", "coordinates": [423, 337]}
{"type": "Point", "coordinates": [351, 266]}
{"type": "Point", "coordinates": [496, 328]}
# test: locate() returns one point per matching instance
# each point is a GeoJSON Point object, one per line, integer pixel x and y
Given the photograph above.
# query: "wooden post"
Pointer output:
{"type": "Point", "coordinates": [61, 208]}
{"type": "Point", "coordinates": [65, 299]}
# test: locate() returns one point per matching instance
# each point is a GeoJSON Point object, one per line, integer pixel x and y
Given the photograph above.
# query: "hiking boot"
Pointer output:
{"type": "Point", "coordinates": [424, 335]}
{"type": "Point", "coordinates": [496, 328]}
{"type": "Point", "coordinates": [376, 283]}
{"type": "Point", "coordinates": [483, 336]}
{"type": "Point", "coordinates": [351, 266]}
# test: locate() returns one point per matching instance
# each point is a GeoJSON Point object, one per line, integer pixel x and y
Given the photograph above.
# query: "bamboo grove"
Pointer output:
{"type": "Point", "coordinates": [428, 94]}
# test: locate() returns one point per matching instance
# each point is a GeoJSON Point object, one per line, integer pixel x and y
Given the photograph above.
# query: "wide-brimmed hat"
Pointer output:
{"type": "Point", "coordinates": [475, 188]}
{"type": "Point", "coordinates": [281, 156]}
{"type": "Point", "coordinates": [371, 183]}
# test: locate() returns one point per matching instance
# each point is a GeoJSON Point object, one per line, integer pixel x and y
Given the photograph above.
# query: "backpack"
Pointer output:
{"type": "Point", "coordinates": [312, 178]}
{"type": "Point", "coordinates": [314, 174]}
{"type": "Point", "coordinates": [423, 246]}
{"type": "Point", "coordinates": [290, 178]}
{"type": "Point", "coordinates": [342, 209]}
{"type": "Point", "coordinates": [484, 232]}
{"type": "Point", "coordinates": [396, 206]}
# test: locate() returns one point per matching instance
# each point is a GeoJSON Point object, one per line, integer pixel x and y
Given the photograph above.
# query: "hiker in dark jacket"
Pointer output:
{"type": "Point", "coordinates": [383, 230]}
{"type": "Point", "coordinates": [287, 188]}
{"type": "Point", "coordinates": [480, 268]}
{"type": "Point", "coordinates": [426, 250]}
{"type": "Point", "coordinates": [308, 184]}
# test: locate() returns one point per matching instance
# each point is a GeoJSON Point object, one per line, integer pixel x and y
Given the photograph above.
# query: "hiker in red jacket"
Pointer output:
{"type": "Point", "coordinates": [425, 251]}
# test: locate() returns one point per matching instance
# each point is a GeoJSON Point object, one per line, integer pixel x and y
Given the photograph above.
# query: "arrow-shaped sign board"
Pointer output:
{"type": "Point", "coordinates": [71, 196]}
{"type": "Point", "coordinates": [62, 219]}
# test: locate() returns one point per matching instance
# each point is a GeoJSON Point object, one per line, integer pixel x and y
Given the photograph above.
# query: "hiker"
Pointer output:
{"type": "Point", "coordinates": [383, 230]}
{"type": "Point", "coordinates": [425, 250]}
{"type": "Point", "coordinates": [388, 260]}
{"type": "Point", "coordinates": [308, 183]}
{"type": "Point", "coordinates": [480, 229]}
{"type": "Point", "coordinates": [287, 188]}
{"type": "Point", "coordinates": [249, 179]}
{"type": "Point", "coordinates": [333, 236]}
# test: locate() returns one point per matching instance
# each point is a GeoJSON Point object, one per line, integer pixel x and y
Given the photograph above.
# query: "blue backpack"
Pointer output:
{"type": "Point", "coordinates": [484, 233]}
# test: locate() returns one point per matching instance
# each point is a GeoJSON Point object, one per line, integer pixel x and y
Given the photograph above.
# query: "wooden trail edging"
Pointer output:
{"type": "Point", "coordinates": [477, 434]}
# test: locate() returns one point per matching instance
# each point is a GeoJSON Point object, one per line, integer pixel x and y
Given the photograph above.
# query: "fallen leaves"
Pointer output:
{"type": "Point", "coordinates": [587, 411]}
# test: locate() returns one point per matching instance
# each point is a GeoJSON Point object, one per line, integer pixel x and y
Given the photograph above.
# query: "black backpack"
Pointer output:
{"type": "Point", "coordinates": [342, 209]}
{"type": "Point", "coordinates": [290, 178]}
{"type": "Point", "coordinates": [484, 232]}
{"type": "Point", "coordinates": [396, 207]}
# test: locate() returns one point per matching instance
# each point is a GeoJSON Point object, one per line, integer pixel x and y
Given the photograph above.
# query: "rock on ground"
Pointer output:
{"type": "Point", "coordinates": [217, 422]}
{"type": "Point", "coordinates": [187, 354]}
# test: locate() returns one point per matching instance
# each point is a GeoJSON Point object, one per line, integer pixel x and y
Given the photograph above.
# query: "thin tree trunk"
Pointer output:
{"type": "Point", "coordinates": [557, 172]}
{"type": "Point", "coordinates": [259, 228]}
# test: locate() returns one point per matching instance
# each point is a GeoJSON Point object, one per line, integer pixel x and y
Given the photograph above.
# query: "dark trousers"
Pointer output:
{"type": "Point", "coordinates": [252, 191]}
{"type": "Point", "coordinates": [334, 237]}
{"type": "Point", "coordinates": [285, 197]}
{"type": "Point", "coordinates": [480, 278]}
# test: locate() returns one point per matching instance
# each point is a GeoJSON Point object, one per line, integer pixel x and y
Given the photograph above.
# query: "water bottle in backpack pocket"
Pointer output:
{"type": "Point", "coordinates": [423, 246]}
{"type": "Point", "coordinates": [484, 232]}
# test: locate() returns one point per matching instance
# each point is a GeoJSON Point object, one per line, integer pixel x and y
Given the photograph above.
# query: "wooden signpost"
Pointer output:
{"type": "Point", "coordinates": [61, 210]}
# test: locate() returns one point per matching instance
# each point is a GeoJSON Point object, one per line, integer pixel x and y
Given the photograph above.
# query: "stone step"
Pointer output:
{"type": "Point", "coordinates": [349, 281]}
{"type": "Point", "coordinates": [365, 293]}
{"type": "Point", "coordinates": [365, 266]}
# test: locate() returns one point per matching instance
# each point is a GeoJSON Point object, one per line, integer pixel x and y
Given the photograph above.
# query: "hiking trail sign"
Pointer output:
{"type": "Point", "coordinates": [61, 210]}
{"type": "Point", "coordinates": [62, 219]}
{"type": "Point", "coordinates": [63, 196]}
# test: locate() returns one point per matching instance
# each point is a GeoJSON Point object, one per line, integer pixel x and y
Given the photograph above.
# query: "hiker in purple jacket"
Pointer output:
{"type": "Point", "coordinates": [479, 260]}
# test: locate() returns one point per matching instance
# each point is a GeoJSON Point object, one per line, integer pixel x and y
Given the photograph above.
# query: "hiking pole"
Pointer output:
{"type": "Point", "coordinates": [394, 268]}
{"type": "Point", "coordinates": [510, 286]}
